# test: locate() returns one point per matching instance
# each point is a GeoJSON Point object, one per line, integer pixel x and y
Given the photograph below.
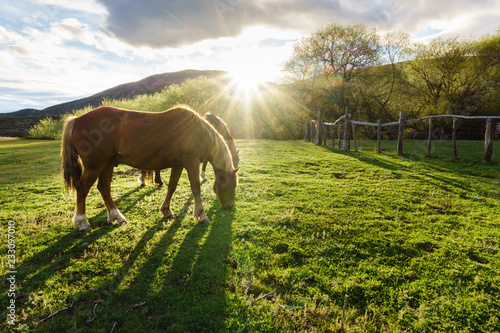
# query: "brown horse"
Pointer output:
{"type": "Point", "coordinates": [177, 138]}
{"type": "Point", "coordinates": [221, 127]}
{"type": "Point", "coordinates": [223, 130]}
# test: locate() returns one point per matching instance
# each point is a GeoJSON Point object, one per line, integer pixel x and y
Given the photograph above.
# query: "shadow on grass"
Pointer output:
{"type": "Point", "coordinates": [181, 289]}
{"type": "Point", "coordinates": [428, 175]}
{"type": "Point", "coordinates": [147, 236]}
{"type": "Point", "coordinates": [32, 274]}
{"type": "Point", "coordinates": [68, 246]}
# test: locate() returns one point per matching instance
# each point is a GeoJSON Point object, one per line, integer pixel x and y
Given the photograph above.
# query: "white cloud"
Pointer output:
{"type": "Point", "coordinates": [52, 7]}
{"type": "Point", "coordinates": [69, 59]}
{"type": "Point", "coordinates": [73, 48]}
{"type": "Point", "coordinates": [176, 23]}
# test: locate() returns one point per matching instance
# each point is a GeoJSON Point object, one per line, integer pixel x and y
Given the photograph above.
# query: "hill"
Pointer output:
{"type": "Point", "coordinates": [148, 85]}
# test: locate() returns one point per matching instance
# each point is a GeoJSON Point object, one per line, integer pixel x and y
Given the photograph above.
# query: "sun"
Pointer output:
{"type": "Point", "coordinates": [246, 81]}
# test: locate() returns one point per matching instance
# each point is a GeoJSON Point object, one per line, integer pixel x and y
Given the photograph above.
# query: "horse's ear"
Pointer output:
{"type": "Point", "coordinates": [238, 151]}
{"type": "Point", "coordinates": [236, 170]}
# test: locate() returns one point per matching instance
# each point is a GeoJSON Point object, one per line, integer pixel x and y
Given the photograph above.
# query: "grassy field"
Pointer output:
{"type": "Point", "coordinates": [412, 241]}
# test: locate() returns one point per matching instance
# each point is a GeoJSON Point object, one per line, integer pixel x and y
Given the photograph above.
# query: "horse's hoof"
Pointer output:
{"type": "Point", "coordinates": [203, 219]}
{"type": "Point", "coordinates": [80, 223]}
{"type": "Point", "coordinates": [85, 228]}
{"type": "Point", "coordinates": [203, 178]}
{"type": "Point", "coordinates": [115, 215]}
{"type": "Point", "coordinates": [167, 213]}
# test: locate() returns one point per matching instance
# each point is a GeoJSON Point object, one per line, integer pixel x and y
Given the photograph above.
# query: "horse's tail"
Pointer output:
{"type": "Point", "coordinates": [71, 167]}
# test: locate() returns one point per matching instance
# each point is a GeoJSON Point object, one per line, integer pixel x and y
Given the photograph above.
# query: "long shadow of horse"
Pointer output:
{"type": "Point", "coordinates": [57, 257]}
{"type": "Point", "coordinates": [178, 289]}
{"type": "Point", "coordinates": [147, 236]}
{"type": "Point", "coordinates": [393, 164]}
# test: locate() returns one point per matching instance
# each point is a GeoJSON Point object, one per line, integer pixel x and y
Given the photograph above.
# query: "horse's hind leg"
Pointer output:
{"type": "Point", "coordinates": [158, 180]}
{"type": "Point", "coordinates": [202, 173]}
{"type": "Point", "coordinates": [175, 174]}
{"type": "Point", "coordinates": [104, 186]}
{"type": "Point", "coordinates": [193, 168]}
{"type": "Point", "coordinates": [142, 178]}
{"type": "Point", "coordinates": [88, 179]}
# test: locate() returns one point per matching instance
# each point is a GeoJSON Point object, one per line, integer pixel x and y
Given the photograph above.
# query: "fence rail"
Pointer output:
{"type": "Point", "coordinates": [317, 129]}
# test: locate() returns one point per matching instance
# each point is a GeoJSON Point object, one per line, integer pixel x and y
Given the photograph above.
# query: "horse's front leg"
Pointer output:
{"type": "Point", "coordinates": [193, 169]}
{"type": "Point", "coordinates": [88, 178]}
{"type": "Point", "coordinates": [175, 174]}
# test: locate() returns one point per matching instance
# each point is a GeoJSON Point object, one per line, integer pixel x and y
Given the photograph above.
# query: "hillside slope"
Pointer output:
{"type": "Point", "coordinates": [148, 85]}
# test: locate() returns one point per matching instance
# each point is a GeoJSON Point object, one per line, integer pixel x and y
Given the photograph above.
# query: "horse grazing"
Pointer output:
{"type": "Point", "coordinates": [177, 138]}
{"type": "Point", "coordinates": [223, 130]}
{"type": "Point", "coordinates": [221, 127]}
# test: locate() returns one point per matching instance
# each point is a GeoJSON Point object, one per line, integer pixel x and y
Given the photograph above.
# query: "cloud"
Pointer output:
{"type": "Point", "coordinates": [176, 23]}
{"type": "Point", "coordinates": [432, 18]}
{"type": "Point", "coordinates": [73, 48]}
{"type": "Point", "coordinates": [53, 7]}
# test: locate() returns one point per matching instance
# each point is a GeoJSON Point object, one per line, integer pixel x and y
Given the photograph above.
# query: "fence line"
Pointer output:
{"type": "Point", "coordinates": [318, 129]}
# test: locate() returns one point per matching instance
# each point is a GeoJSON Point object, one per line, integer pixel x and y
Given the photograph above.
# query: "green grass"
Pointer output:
{"type": "Point", "coordinates": [413, 241]}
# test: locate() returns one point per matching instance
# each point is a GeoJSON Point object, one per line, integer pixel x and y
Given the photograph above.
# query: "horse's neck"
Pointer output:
{"type": "Point", "coordinates": [221, 157]}
{"type": "Point", "coordinates": [232, 147]}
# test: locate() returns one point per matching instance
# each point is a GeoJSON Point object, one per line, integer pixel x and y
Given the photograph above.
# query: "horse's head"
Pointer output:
{"type": "Point", "coordinates": [225, 187]}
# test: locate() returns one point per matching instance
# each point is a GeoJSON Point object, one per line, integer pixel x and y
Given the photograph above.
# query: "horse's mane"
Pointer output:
{"type": "Point", "coordinates": [220, 146]}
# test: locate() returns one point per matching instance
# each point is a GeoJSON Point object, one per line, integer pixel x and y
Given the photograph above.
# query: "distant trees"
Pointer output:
{"type": "Point", "coordinates": [324, 64]}
{"type": "Point", "coordinates": [270, 114]}
{"type": "Point", "coordinates": [379, 74]}
{"type": "Point", "coordinates": [445, 77]}
{"type": "Point", "coordinates": [375, 74]}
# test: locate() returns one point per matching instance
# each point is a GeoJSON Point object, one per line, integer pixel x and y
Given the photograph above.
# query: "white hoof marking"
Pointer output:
{"type": "Point", "coordinates": [202, 176]}
{"type": "Point", "coordinates": [115, 215]}
{"type": "Point", "coordinates": [80, 222]}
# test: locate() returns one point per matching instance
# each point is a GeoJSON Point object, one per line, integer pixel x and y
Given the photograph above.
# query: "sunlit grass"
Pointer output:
{"type": "Point", "coordinates": [413, 241]}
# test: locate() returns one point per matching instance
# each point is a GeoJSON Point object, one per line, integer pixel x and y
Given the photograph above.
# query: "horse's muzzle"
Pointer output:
{"type": "Point", "coordinates": [227, 206]}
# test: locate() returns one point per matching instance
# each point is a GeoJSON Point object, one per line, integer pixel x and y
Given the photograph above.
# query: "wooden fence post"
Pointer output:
{"type": "Point", "coordinates": [340, 135]}
{"type": "Point", "coordinates": [318, 128]}
{"type": "Point", "coordinates": [379, 135]}
{"type": "Point", "coordinates": [333, 136]}
{"type": "Point", "coordinates": [454, 136]}
{"type": "Point", "coordinates": [354, 137]}
{"type": "Point", "coordinates": [429, 139]}
{"type": "Point", "coordinates": [401, 132]}
{"type": "Point", "coordinates": [488, 141]}
{"type": "Point", "coordinates": [308, 132]}
{"type": "Point", "coordinates": [346, 131]}
{"type": "Point", "coordinates": [324, 134]}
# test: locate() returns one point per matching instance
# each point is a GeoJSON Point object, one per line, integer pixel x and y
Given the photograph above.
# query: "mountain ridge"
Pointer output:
{"type": "Point", "coordinates": [148, 85]}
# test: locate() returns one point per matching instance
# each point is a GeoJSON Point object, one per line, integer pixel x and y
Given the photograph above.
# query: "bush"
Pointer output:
{"type": "Point", "coordinates": [51, 128]}
{"type": "Point", "coordinates": [47, 128]}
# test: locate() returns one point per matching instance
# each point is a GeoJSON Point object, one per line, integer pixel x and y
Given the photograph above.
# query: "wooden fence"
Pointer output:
{"type": "Point", "coordinates": [316, 131]}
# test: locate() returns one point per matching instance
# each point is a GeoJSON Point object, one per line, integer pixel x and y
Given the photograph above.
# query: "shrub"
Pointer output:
{"type": "Point", "coordinates": [51, 128]}
{"type": "Point", "coordinates": [47, 128]}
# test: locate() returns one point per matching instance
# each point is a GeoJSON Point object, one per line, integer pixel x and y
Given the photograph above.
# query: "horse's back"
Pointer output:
{"type": "Point", "coordinates": [95, 133]}
{"type": "Point", "coordinates": [145, 140]}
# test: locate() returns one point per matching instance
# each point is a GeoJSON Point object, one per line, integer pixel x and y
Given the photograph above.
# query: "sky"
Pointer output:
{"type": "Point", "coordinates": [54, 51]}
